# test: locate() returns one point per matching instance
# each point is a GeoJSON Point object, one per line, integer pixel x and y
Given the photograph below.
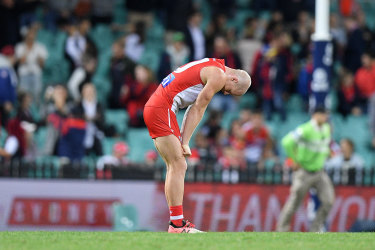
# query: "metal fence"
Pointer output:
{"type": "Point", "coordinates": [52, 168]}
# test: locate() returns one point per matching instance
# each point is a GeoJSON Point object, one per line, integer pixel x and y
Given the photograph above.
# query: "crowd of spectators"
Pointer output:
{"type": "Point", "coordinates": [276, 51]}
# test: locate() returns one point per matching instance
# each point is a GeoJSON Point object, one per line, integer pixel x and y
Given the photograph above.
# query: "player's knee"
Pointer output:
{"type": "Point", "coordinates": [177, 164]}
{"type": "Point", "coordinates": [328, 203]}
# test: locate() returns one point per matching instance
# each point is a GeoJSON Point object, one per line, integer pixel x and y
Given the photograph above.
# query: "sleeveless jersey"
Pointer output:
{"type": "Point", "coordinates": [181, 87]}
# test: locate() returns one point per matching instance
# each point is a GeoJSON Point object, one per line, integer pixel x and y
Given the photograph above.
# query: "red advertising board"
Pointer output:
{"type": "Point", "coordinates": [250, 207]}
{"type": "Point", "coordinates": [61, 212]}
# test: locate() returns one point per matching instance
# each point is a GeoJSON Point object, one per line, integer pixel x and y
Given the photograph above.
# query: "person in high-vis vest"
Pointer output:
{"type": "Point", "coordinates": [309, 147]}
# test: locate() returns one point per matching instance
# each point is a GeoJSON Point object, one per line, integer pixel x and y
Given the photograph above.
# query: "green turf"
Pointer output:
{"type": "Point", "coordinates": [146, 240]}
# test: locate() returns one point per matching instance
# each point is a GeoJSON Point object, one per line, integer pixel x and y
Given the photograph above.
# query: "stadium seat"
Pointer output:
{"type": "Point", "coordinates": [119, 119]}
{"type": "Point", "coordinates": [228, 118]}
{"type": "Point", "coordinates": [294, 104]}
{"type": "Point", "coordinates": [337, 122]}
{"type": "Point", "coordinates": [356, 128]}
{"type": "Point", "coordinates": [139, 142]}
{"type": "Point", "coordinates": [102, 36]}
{"type": "Point", "coordinates": [108, 144]}
{"type": "Point", "coordinates": [247, 101]}
{"type": "Point", "coordinates": [125, 218]}
{"type": "Point", "coordinates": [40, 137]}
{"type": "Point", "coordinates": [3, 135]}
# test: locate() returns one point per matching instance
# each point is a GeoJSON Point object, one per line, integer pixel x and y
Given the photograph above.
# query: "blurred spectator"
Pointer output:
{"type": "Point", "coordinates": [245, 119]}
{"type": "Point", "coordinates": [223, 51]}
{"type": "Point", "coordinates": [28, 124]}
{"type": "Point", "coordinates": [175, 55]}
{"type": "Point", "coordinates": [217, 27]}
{"type": "Point", "coordinates": [79, 44]}
{"type": "Point", "coordinates": [102, 11]}
{"type": "Point", "coordinates": [195, 38]}
{"type": "Point", "coordinates": [355, 45]}
{"type": "Point", "coordinates": [8, 83]}
{"type": "Point", "coordinates": [367, 33]}
{"type": "Point", "coordinates": [291, 8]}
{"type": "Point", "coordinates": [347, 159]}
{"type": "Point", "coordinates": [118, 158]}
{"type": "Point", "coordinates": [372, 118]}
{"type": "Point", "coordinates": [250, 43]}
{"type": "Point", "coordinates": [141, 11]}
{"type": "Point", "coordinates": [274, 26]}
{"type": "Point", "coordinates": [121, 69]}
{"type": "Point", "coordinates": [282, 74]}
{"type": "Point", "coordinates": [304, 81]}
{"type": "Point", "coordinates": [136, 93]}
{"type": "Point", "coordinates": [273, 70]}
{"type": "Point", "coordinates": [15, 145]}
{"type": "Point", "coordinates": [345, 163]}
{"type": "Point", "coordinates": [365, 78]}
{"type": "Point", "coordinates": [348, 96]}
{"type": "Point", "coordinates": [10, 19]}
{"type": "Point", "coordinates": [203, 154]}
{"type": "Point", "coordinates": [82, 8]}
{"type": "Point", "coordinates": [225, 7]}
{"type": "Point", "coordinates": [31, 56]}
{"type": "Point", "coordinates": [57, 12]}
{"type": "Point", "coordinates": [177, 13]}
{"type": "Point", "coordinates": [93, 113]}
{"type": "Point", "coordinates": [338, 35]}
{"type": "Point", "coordinates": [134, 42]}
{"type": "Point", "coordinates": [232, 158]}
{"type": "Point", "coordinates": [151, 158]}
{"type": "Point", "coordinates": [211, 128]}
{"type": "Point", "coordinates": [258, 141]}
{"type": "Point", "coordinates": [80, 76]}
{"type": "Point", "coordinates": [58, 110]}
{"type": "Point", "coordinates": [237, 138]}
{"type": "Point", "coordinates": [301, 34]}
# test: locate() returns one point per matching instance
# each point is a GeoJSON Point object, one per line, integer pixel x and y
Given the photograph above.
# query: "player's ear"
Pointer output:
{"type": "Point", "coordinates": [234, 78]}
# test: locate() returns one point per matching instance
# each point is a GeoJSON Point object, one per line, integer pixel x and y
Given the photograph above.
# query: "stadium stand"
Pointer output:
{"type": "Point", "coordinates": [57, 70]}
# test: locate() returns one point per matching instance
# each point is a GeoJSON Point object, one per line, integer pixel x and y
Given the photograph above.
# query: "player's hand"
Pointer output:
{"type": "Point", "coordinates": [295, 166]}
{"type": "Point", "coordinates": [186, 150]}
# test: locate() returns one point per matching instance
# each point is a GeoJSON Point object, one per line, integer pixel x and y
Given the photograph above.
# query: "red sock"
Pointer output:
{"type": "Point", "coordinates": [176, 215]}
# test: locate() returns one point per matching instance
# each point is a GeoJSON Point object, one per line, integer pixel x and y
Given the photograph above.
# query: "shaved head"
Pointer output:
{"type": "Point", "coordinates": [244, 81]}
{"type": "Point", "coordinates": [239, 81]}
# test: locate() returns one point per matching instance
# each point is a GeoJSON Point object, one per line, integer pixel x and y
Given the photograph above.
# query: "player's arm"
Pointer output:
{"type": "Point", "coordinates": [289, 143]}
{"type": "Point", "coordinates": [215, 80]}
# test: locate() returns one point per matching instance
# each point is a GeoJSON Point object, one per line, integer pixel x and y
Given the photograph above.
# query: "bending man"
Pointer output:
{"type": "Point", "coordinates": [192, 85]}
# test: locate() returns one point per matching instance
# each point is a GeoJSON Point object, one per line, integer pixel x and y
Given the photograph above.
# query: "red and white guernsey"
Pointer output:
{"type": "Point", "coordinates": [182, 87]}
{"type": "Point", "coordinates": [177, 91]}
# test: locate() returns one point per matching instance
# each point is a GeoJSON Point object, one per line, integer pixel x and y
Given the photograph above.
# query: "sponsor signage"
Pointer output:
{"type": "Point", "coordinates": [61, 212]}
{"type": "Point", "coordinates": [241, 207]}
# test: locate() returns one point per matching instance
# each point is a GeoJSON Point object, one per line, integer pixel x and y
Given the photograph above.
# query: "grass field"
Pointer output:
{"type": "Point", "coordinates": [146, 240]}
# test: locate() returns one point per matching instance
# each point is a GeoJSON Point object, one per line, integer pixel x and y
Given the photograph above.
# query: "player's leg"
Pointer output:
{"type": "Point", "coordinates": [169, 147]}
{"type": "Point", "coordinates": [170, 150]}
{"type": "Point", "coordinates": [298, 190]}
{"type": "Point", "coordinates": [326, 195]}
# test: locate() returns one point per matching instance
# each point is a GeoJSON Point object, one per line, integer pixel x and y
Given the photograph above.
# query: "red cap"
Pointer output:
{"type": "Point", "coordinates": [121, 147]}
{"type": "Point", "coordinates": [7, 50]}
{"type": "Point", "coordinates": [151, 155]}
